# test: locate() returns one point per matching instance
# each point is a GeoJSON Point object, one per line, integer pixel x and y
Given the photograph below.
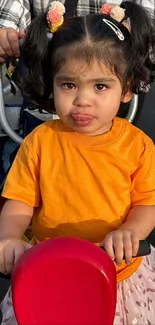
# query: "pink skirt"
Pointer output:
{"type": "Point", "coordinates": [135, 297]}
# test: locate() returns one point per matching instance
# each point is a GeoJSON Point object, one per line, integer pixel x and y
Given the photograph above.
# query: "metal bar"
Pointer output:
{"type": "Point", "coordinates": [3, 120]}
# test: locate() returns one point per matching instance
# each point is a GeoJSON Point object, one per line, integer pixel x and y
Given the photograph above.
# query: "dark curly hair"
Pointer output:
{"type": "Point", "coordinates": [132, 60]}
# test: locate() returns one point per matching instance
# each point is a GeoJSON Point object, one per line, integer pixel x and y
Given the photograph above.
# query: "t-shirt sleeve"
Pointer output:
{"type": "Point", "coordinates": [143, 179]}
{"type": "Point", "coordinates": [22, 183]}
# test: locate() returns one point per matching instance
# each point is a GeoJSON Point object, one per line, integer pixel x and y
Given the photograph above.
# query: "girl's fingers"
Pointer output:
{"type": "Point", "coordinates": [128, 252]}
{"type": "Point", "coordinates": [8, 258]}
{"type": "Point", "coordinates": [12, 253]}
{"type": "Point", "coordinates": [107, 243]}
{"type": "Point", "coordinates": [130, 245]}
{"type": "Point", "coordinates": [135, 245]}
{"type": "Point", "coordinates": [118, 249]}
{"type": "Point", "coordinates": [18, 252]}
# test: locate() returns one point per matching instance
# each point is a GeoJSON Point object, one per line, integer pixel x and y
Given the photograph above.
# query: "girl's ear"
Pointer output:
{"type": "Point", "coordinates": [127, 96]}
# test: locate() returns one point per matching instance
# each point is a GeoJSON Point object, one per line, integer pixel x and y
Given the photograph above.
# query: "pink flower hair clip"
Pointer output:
{"type": "Point", "coordinates": [116, 12]}
{"type": "Point", "coordinates": [55, 16]}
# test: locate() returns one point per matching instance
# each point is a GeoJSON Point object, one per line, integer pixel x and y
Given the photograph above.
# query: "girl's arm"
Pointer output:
{"type": "Point", "coordinates": [22, 185]}
{"type": "Point", "coordinates": [15, 219]}
{"type": "Point", "coordinates": [141, 220]}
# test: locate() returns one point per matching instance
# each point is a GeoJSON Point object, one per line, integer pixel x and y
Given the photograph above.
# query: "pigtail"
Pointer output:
{"type": "Point", "coordinates": [142, 46]}
{"type": "Point", "coordinates": [34, 63]}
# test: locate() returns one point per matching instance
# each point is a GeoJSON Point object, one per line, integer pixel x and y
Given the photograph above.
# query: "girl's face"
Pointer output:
{"type": "Point", "coordinates": [87, 98]}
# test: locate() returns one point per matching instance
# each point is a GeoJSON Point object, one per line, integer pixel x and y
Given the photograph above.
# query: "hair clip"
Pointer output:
{"type": "Point", "coordinates": [116, 12]}
{"type": "Point", "coordinates": [116, 30]}
{"type": "Point", "coordinates": [55, 16]}
{"type": "Point", "coordinates": [143, 87]}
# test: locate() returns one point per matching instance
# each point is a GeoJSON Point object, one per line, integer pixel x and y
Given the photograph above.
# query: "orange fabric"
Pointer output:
{"type": "Point", "coordinates": [124, 271]}
{"type": "Point", "coordinates": [83, 186]}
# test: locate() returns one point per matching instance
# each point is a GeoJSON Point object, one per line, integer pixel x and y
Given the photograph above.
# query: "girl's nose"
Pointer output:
{"type": "Point", "coordinates": [82, 98]}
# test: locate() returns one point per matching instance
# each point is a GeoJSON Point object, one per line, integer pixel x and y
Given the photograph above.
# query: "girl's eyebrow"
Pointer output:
{"type": "Point", "coordinates": [105, 79]}
{"type": "Point", "coordinates": [97, 80]}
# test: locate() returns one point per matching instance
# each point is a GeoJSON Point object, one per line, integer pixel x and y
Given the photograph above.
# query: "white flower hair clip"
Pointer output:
{"type": "Point", "coordinates": [116, 12]}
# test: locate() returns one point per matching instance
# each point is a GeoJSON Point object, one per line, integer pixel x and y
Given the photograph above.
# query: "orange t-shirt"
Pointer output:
{"type": "Point", "coordinates": [83, 186]}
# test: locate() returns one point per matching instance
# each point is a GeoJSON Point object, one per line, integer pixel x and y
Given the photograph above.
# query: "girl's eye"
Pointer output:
{"type": "Point", "coordinates": [68, 85]}
{"type": "Point", "coordinates": [100, 87]}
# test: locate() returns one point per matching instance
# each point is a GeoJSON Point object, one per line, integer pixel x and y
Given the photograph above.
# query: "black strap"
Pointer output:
{"type": "Point", "coordinates": [71, 7]}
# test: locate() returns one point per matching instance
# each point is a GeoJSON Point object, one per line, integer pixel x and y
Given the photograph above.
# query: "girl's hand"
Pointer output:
{"type": "Point", "coordinates": [11, 249]}
{"type": "Point", "coordinates": [121, 243]}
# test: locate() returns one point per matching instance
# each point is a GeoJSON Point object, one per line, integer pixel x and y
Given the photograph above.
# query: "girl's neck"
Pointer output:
{"type": "Point", "coordinates": [79, 139]}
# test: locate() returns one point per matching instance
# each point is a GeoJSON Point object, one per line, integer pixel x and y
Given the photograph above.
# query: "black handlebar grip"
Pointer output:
{"type": "Point", "coordinates": [144, 248]}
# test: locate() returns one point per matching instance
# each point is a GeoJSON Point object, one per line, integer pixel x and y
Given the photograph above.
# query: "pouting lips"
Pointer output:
{"type": "Point", "coordinates": [82, 117]}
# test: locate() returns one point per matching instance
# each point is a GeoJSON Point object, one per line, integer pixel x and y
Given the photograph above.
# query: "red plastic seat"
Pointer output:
{"type": "Point", "coordinates": [64, 281]}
